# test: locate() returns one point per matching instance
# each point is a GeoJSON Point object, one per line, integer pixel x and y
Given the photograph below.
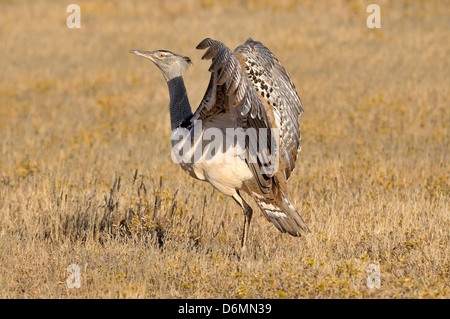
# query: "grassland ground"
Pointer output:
{"type": "Point", "coordinates": [86, 176]}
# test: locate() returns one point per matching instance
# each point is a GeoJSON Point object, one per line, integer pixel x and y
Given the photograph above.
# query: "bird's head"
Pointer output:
{"type": "Point", "coordinates": [170, 64]}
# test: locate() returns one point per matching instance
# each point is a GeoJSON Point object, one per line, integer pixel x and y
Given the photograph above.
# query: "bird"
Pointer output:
{"type": "Point", "coordinates": [249, 89]}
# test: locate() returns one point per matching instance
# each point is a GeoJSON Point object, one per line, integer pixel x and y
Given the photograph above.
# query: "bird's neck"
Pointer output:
{"type": "Point", "coordinates": [180, 109]}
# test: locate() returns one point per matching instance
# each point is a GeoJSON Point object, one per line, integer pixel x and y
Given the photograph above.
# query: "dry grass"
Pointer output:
{"type": "Point", "coordinates": [86, 175]}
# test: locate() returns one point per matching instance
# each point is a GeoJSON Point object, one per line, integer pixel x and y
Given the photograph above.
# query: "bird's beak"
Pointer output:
{"type": "Point", "coordinates": [145, 54]}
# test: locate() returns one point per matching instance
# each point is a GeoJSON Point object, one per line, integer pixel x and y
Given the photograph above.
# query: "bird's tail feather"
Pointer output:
{"type": "Point", "coordinates": [282, 214]}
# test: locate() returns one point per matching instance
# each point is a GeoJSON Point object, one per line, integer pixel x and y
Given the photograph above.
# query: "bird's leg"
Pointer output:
{"type": "Point", "coordinates": [248, 212]}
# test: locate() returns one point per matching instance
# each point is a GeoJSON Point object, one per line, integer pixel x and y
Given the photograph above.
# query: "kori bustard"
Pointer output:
{"type": "Point", "coordinates": [249, 89]}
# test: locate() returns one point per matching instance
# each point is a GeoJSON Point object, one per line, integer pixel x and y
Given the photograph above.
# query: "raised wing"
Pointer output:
{"type": "Point", "coordinates": [274, 85]}
{"type": "Point", "coordinates": [229, 87]}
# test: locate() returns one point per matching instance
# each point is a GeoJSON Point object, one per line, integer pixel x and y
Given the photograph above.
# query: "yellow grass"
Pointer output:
{"type": "Point", "coordinates": [86, 176]}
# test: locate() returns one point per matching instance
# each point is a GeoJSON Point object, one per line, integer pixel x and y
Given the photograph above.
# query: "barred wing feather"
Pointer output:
{"type": "Point", "coordinates": [273, 84]}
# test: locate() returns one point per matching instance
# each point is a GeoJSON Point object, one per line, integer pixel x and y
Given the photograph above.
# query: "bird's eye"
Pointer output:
{"type": "Point", "coordinates": [161, 55]}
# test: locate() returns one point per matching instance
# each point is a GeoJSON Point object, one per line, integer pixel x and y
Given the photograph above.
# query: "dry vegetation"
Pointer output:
{"type": "Point", "coordinates": [86, 175]}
